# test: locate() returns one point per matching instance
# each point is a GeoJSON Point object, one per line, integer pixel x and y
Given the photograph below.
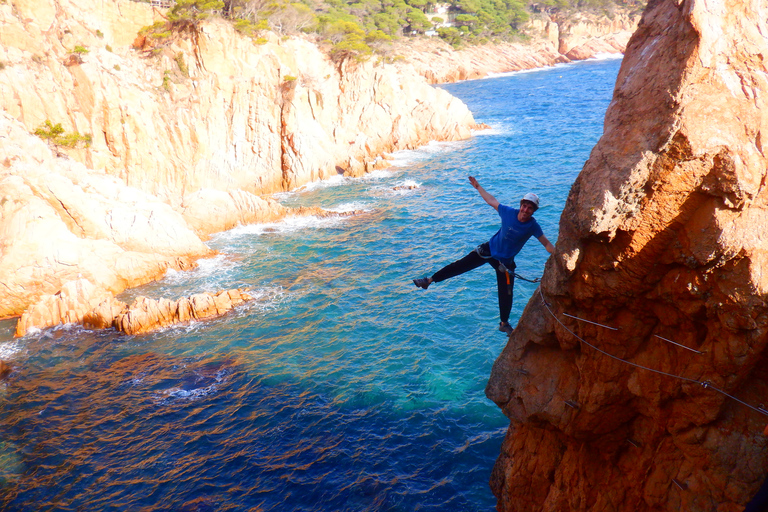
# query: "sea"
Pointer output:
{"type": "Point", "coordinates": [342, 386]}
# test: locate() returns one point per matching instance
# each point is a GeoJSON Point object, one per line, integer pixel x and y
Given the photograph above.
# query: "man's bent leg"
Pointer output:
{"type": "Point", "coordinates": [469, 262]}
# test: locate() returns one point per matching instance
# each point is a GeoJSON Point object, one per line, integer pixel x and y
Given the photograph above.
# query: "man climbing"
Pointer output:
{"type": "Point", "coordinates": [517, 226]}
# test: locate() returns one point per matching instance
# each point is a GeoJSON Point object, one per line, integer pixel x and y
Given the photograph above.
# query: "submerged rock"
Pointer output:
{"type": "Point", "coordinates": [662, 239]}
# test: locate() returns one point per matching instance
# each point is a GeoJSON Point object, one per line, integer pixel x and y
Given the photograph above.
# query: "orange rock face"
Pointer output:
{"type": "Point", "coordinates": [662, 240]}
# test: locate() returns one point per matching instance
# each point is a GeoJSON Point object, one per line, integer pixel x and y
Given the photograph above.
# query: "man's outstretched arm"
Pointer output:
{"type": "Point", "coordinates": [485, 195]}
{"type": "Point", "coordinates": [548, 246]}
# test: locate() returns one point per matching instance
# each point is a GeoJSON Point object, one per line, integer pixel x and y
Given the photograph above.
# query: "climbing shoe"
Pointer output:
{"type": "Point", "coordinates": [505, 327]}
{"type": "Point", "coordinates": [422, 282]}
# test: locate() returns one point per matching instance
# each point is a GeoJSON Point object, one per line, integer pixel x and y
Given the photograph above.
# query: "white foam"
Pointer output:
{"type": "Point", "coordinates": [189, 394]}
{"type": "Point", "coordinates": [350, 207]}
{"type": "Point", "coordinates": [9, 350]}
{"type": "Point", "coordinates": [219, 377]}
{"type": "Point", "coordinates": [607, 56]}
{"type": "Point", "coordinates": [597, 56]}
{"type": "Point", "coordinates": [333, 181]}
{"type": "Point", "coordinates": [206, 268]}
{"type": "Point", "coordinates": [283, 196]}
{"type": "Point", "coordinates": [407, 157]}
{"type": "Point", "coordinates": [525, 71]}
{"type": "Point", "coordinates": [287, 225]}
{"type": "Point", "coordinates": [379, 174]}
{"type": "Point", "coordinates": [495, 129]}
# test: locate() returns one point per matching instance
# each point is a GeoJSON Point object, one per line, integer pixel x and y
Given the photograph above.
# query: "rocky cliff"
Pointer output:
{"type": "Point", "coordinates": [186, 137]}
{"type": "Point", "coordinates": [552, 41]}
{"type": "Point", "coordinates": [636, 376]}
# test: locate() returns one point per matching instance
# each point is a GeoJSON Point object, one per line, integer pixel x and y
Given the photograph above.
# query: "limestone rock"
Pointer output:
{"type": "Point", "coordinates": [662, 238]}
{"type": "Point", "coordinates": [146, 315]}
{"type": "Point", "coordinates": [554, 41]}
{"type": "Point", "coordinates": [209, 211]}
{"type": "Point", "coordinates": [213, 111]}
{"type": "Point", "coordinates": [60, 222]}
{"type": "Point", "coordinates": [582, 36]}
{"type": "Point", "coordinates": [82, 302]}
{"type": "Point", "coordinates": [68, 306]}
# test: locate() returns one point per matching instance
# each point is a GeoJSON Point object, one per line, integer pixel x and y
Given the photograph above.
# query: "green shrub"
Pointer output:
{"type": "Point", "coordinates": [352, 45]}
{"type": "Point", "coordinates": [289, 78]}
{"type": "Point", "coordinates": [194, 10]}
{"type": "Point", "coordinates": [99, 33]}
{"type": "Point", "coordinates": [167, 81]}
{"type": "Point", "coordinates": [155, 27]}
{"type": "Point", "coordinates": [261, 40]}
{"type": "Point", "coordinates": [117, 67]}
{"type": "Point", "coordinates": [182, 65]}
{"type": "Point", "coordinates": [55, 134]}
{"type": "Point", "coordinates": [108, 48]}
{"type": "Point", "coordinates": [80, 50]}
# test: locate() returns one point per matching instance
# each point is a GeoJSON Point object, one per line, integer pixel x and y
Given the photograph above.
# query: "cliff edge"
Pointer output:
{"type": "Point", "coordinates": [637, 375]}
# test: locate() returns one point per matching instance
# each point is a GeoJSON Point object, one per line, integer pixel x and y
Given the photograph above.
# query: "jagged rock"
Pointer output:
{"type": "Point", "coordinates": [103, 315]}
{"type": "Point", "coordinates": [5, 370]}
{"type": "Point", "coordinates": [68, 306]}
{"type": "Point", "coordinates": [582, 36]}
{"type": "Point", "coordinates": [227, 125]}
{"type": "Point", "coordinates": [662, 236]}
{"type": "Point", "coordinates": [81, 302]}
{"type": "Point", "coordinates": [146, 315]}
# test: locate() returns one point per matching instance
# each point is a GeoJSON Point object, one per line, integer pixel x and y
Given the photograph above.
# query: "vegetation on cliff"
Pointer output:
{"type": "Point", "coordinates": [361, 27]}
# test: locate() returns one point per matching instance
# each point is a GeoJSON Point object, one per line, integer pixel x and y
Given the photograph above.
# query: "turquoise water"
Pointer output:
{"type": "Point", "coordinates": [342, 387]}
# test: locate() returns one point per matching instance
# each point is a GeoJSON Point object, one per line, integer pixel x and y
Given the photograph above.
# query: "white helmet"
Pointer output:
{"type": "Point", "coordinates": [530, 196]}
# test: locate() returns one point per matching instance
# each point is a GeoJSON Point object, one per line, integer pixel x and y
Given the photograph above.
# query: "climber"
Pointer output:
{"type": "Point", "coordinates": [517, 226]}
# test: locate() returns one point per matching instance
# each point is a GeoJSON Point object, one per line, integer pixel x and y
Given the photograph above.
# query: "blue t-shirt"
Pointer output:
{"type": "Point", "coordinates": [508, 240]}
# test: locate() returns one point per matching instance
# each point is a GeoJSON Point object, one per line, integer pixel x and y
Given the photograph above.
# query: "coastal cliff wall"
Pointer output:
{"type": "Point", "coordinates": [663, 238]}
{"type": "Point", "coordinates": [212, 109]}
{"type": "Point", "coordinates": [185, 138]}
{"type": "Point", "coordinates": [557, 40]}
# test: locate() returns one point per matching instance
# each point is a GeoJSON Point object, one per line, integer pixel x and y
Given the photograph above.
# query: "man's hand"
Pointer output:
{"type": "Point", "coordinates": [485, 195]}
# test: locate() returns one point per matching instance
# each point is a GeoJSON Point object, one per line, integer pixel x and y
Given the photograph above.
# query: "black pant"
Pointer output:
{"type": "Point", "coordinates": [504, 280]}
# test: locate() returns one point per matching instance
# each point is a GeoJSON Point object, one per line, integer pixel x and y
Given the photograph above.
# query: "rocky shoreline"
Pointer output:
{"type": "Point", "coordinates": [191, 139]}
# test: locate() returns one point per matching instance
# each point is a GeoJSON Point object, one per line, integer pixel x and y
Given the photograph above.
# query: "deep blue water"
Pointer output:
{"type": "Point", "coordinates": [343, 387]}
